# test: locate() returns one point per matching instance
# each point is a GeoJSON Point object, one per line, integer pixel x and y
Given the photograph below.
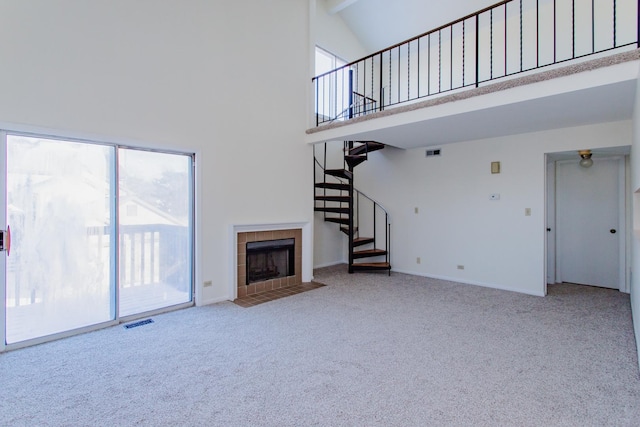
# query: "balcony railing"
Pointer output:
{"type": "Point", "coordinates": [508, 38]}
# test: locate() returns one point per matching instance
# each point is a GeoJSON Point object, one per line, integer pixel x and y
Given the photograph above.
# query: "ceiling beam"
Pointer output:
{"type": "Point", "coordinates": [335, 6]}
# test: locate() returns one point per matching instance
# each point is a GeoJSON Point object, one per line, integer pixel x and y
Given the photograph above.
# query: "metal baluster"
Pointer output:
{"type": "Point", "coordinates": [429, 63]}
{"type": "Point", "coordinates": [364, 87]}
{"type": "Point", "coordinates": [439, 61]}
{"type": "Point", "coordinates": [317, 98]}
{"type": "Point", "coordinates": [389, 96]}
{"type": "Point", "coordinates": [418, 82]}
{"type": "Point", "coordinates": [593, 26]}
{"type": "Point", "coordinates": [521, 48]}
{"type": "Point", "coordinates": [342, 81]}
{"type": "Point", "coordinates": [399, 60]}
{"type": "Point", "coordinates": [375, 235]}
{"type": "Point", "coordinates": [537, 33]}
{"type": "Point", "coordinates": [615, 22]}
{"type": "Point", "coordinates": [505, 39]}
{"type": "Point", "coordinates": [478, 50]}
{"type": "Point", "coordinates": [463, 49]}
{"type": "Point", "coordinates": [555, 39]}
{"type": "Point", "coordinates": [491, 45]}
{"type": "Point", "coordinates": [408, 71]}
{"type": "Point", "coordinates": [381, 96]}
{"type": "Point", "coordinates": [334, 77]}
{"type": "Point", "coordinates": [573, 28]}
{"type": "Point", "coordinates": [365, 102]}
{"type": "Point", "coordinates": [451, 57]}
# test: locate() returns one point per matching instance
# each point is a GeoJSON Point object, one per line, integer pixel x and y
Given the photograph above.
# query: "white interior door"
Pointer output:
{"type": "Point", "coordinates": [588, 222]}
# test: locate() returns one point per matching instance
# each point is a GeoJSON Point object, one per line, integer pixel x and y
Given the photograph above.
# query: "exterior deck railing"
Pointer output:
{"type": "Point", "coordinates": [508, 38]}
{"type": "Point", "coordinates": [147, 257]}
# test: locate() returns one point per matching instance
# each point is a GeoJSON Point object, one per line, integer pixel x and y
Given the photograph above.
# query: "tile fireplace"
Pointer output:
{"type": "Point", "coordinates": [268, 260]}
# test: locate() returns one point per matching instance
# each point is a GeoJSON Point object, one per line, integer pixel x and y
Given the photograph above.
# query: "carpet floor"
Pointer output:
{"type": "Point", "coordinates": [364, 350]}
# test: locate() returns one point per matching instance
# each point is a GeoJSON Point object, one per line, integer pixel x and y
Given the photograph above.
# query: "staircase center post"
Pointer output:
{"type": "Point", "coordinates": [351, 212]}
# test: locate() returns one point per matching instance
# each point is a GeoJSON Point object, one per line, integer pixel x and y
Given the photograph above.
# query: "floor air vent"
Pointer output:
{"type": "Point", "coordinates": [139, 323]}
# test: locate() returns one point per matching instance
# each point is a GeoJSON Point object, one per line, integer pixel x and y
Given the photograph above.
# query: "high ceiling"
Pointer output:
{"type": "Point", "coordinates": [382, 23]}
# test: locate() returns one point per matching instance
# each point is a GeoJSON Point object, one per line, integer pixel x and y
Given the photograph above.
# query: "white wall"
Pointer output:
{"type": "Point", "coordinates": [224, 81]}
{"type": "Point", "coordinates": [333, 35]}
{"type": "Point", "coordinates": [635, 239]}
{"type": "Point", "coordinates": [457, 224]}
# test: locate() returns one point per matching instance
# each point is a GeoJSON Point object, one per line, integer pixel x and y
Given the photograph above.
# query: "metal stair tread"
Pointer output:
{"type": "Point", "coordinates": [345, 230]}
{"type": "Point", "coordinates": [369, 253]}
{"type": "Point", "coordinates": [360, 241]}
{"type": "Point", "coordinates": [337, 220]}
{"type": "Point", "coordinates": [331, 209]}
{"type": "Point", "coordinates": [371, 266]}
{"type": "Point", "coordinates": [366, 147]}
{"type": "Point", "coordinates": [354, 160]}
{"type": "Point", "coordinates": [341, 173]}
{"type": "Point", "coordinates": [332, 186]}
{"type": "Point", "coordinates": [342, 199]}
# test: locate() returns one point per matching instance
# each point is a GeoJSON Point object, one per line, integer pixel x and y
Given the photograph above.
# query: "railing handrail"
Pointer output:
{"type": "Point", "coordinates": [484, 46]}
{"type": "Point", "coordinates": [375, 202]}
{"type": "Point", "coordinates": [365, 97]}
{"type": "Point", "coordinates": [362, 101]}
{"type": "Point", "coordinates": [364, 58]}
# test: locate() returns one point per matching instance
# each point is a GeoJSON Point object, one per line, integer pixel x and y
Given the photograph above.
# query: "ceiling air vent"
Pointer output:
{"type": "Point", "coordinates": [434, 152]}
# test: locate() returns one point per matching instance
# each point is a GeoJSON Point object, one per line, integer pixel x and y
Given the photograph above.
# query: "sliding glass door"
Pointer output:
{"type": "Point", "coordinates": [60, 269]}
{"type": "Point", "coordinates": [155, 230]}
{"type": "Point", "coordinates": [99, 232]}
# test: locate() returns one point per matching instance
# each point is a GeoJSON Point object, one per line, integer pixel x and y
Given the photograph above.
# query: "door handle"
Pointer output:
{"type": "Point", "coordinates": [612, 231]}
{"type": "Point", "coordinates": [5, 240]}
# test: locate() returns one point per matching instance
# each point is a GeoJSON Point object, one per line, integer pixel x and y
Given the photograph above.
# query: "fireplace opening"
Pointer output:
{"type": "Point", "coordinates": [270, 259]}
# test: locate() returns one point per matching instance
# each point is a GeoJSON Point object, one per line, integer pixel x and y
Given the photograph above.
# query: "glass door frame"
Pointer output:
{"type": "Point", "coordinates": [3, 222]}
{"type": "Point", "coordinates": [114, 209]}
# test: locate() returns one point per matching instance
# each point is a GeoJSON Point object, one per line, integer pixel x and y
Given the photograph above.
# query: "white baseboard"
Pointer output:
{"type": "Point", "coordinates": [472, 282]}
{"type": "Point", "coordinates": [329, 264]}
{"type": "Point", "coordinates": [213, 301]}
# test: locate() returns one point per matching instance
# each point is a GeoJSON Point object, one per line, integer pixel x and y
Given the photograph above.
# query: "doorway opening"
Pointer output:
{"type": "Point", "coordinates": [587, 218]}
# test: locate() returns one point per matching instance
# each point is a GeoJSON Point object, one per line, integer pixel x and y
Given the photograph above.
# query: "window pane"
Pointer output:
{"type": "Point", "coordinates": [58, 202]}
{"type": "Point", "coordinates": [154, 230]}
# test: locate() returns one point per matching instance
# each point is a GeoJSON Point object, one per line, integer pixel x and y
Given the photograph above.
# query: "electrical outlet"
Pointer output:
{"type": "Point", "coordinates": [415, 210]}
{"type": "Point", "coordinates": [460, 267]}
{"type": "Point", "coordinates": [207, 283]}
{"type": "Point", "coordinates": [418, 260]}
{"type": "Point", "coordinates": [527, 211]}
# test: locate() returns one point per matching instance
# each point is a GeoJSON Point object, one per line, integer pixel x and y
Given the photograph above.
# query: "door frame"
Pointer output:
{"type": "Point", "coordinates": [48, 134]}
{"type": "Point", "coordinates": [624, 215]}
{"type": "Point", "coordinates": [3, 221]}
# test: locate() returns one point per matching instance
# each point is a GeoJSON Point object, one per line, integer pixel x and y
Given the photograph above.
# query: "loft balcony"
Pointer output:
{"type": "Point", "coordinates": [518, 66]}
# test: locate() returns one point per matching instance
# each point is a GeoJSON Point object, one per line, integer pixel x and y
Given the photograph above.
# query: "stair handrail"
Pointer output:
{"type": "Point", "coordinates": [387, 220]}
{"type": "Point", "coordinates": [362, 100]}
{"type": "Point", "coordinates": [374, 201]}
